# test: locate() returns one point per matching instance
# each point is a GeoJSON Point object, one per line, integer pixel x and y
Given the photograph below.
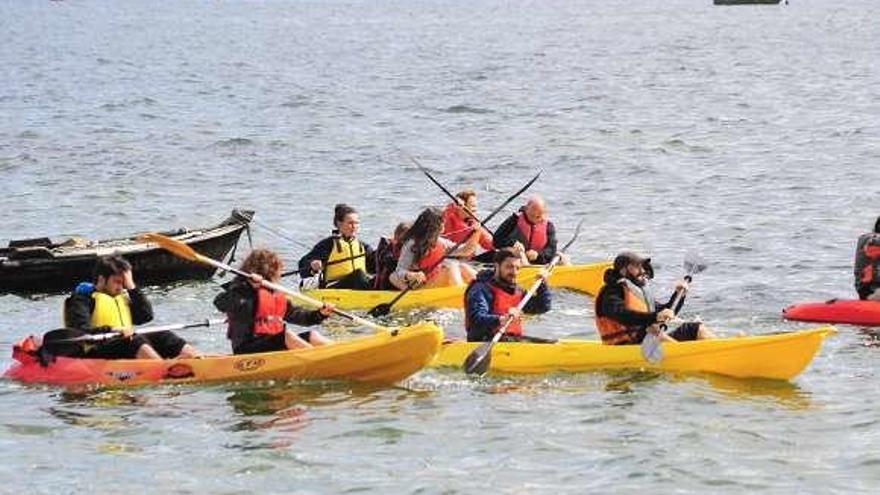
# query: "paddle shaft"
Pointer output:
{"type": "Point", "coordinates": [291, 292]}
{"type": "Point", "coordinates": [386, 307]}
{"type": "Point", "coordinates": [483, 353]}
{"type": "Point", "coordinates": [679, 294]}
{"type": "Point", "coordinates": [100, 337]}
{"type": "Point", "coordinates": [446, 191]}
{"type": "Point", "coordinates": [329, 263]}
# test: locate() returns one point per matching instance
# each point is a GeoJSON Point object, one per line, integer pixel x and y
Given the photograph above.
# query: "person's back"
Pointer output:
{"type": "Point", "coordinates": [867, 264]}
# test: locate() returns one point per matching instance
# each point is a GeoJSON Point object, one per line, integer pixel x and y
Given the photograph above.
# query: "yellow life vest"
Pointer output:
{"type": "Point", "coordinates": [111, 311]}
{"type": "Point", "coordinates": [343, 249]}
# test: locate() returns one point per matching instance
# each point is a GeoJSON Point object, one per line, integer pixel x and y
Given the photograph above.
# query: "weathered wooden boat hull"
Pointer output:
{"type": "Point", "coordinates": [40, 268]}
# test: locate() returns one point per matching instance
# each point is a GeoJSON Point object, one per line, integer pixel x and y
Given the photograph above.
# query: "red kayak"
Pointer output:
{"type": "Point", "coordinates": [847, 311]}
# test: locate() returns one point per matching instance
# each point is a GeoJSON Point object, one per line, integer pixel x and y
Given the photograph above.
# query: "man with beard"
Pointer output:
{"type": "Point", "coordinates": [491, 301]}
{"type": "Point", "coordinates": [626, 312]}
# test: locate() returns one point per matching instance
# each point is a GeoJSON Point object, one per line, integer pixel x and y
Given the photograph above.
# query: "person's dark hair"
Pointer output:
{"type": "Point", "coordinates": [424, 231]}
{"type": "Point", "coordinates": [340, 211]}
{"type": "Point", "coordinates": [503, 254]}
{"type": "Point", "coordinates": [401, 229]}
{"type": "Point", "coordinates": [625, 259]}
{"type": "Point", "coordinates": [877, 226]}
{"type": "Point", "coordinates": [107, 266]}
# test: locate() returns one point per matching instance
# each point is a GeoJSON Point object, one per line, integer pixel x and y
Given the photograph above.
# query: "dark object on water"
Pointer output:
{"type": "Point", "coordinates": [746, 2]}
{"type": "Point", "coordinates": [39, 265]}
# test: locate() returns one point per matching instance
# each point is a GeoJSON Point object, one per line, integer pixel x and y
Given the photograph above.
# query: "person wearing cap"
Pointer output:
{"type": "Point", "coordinates": [529, 231]}
{"type": "Point", "coordinates": [626, 311]}
{"type": "Point", "coordinates": [867, 264]}
{"type": "Point", "coordinates": [491, 301]}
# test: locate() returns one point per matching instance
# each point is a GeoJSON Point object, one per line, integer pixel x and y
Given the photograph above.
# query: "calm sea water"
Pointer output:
{"type": "Point", "coordinates": [749, 134]}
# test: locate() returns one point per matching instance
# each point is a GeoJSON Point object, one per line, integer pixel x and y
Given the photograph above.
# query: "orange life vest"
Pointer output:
{"type": "Point", "coordinates": [535, 235]}
{"type": "Point", "coordinates": [503, 301]}
{"type": "Point", "coordinates": [271, 308]}
{"type": "Point", "coordinates": [430, 262]}
{"type": "Point", "coordinates": [612, 331]}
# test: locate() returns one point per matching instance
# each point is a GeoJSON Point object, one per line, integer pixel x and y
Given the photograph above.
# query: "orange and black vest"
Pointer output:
{"type": "Point", "coordinates": [535, 234]}
{"type": "Point", "coordinates": [269, 316]}
{"type": "Point", "coordinates": [867, 262]}
{"type": "Point", "coordinates": [429, 264]}
{"type": "Point", "coordinates": [612, 331]}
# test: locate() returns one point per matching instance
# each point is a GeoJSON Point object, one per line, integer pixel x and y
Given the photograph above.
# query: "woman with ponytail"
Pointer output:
{"type": "Point", "coordinates": [342, 260]}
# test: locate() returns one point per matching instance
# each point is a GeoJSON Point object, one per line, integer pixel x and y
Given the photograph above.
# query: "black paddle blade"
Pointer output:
{"type": "Point", "coordinates": [380, 310]}
{"type": "Point", "coordinates": [694, 263]}
{"type": "Point", "coordinates": [478, 361]}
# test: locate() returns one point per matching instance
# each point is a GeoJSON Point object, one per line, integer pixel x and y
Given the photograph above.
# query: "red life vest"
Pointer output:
{"type": "Point", "coordinates": [867, 263]}
{"type": "Point", "coordinates": [535, 235]}
{"type": "Point", "coordinates": [612, 331]}
{"type": "Point", "coordinates": [431, 260]}
{"type": "Point", "coordinates": [25, 350]}
{"type": "Point", "coordinates": [503, 301]}
{"type": "Point", "coordinates": [271, 308]}
{"type": "Point", "coordinates": [457, 228]}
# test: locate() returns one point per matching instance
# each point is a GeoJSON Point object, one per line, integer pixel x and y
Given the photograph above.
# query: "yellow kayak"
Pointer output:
{"type": "Point", "coordinates": [778, 356]}
{"type": "Point", "coordinates": [587, 278]}
{"type": "Point", "coordinates": [382, 358]}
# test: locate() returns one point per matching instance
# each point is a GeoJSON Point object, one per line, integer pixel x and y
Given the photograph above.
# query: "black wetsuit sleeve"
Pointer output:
{"type": "Point", "coordinates": [668, 304]}
{"type": "Point", "coordinates": [78, 312]}
{"type": "Point", "coordinates": [141, 309]}
{"type": "Point", "coordinates": [540, 303]}
{"type": "Point", "coordinates": [303, 317]}
{"type": "Point", "coordinates": [504, 234]}
{"type": "Point", "coordinates": [236, 300]}
{"type": "Point", "coordinates": [321, 252]}
{"type": "Point", "coordinates": [612, 305]}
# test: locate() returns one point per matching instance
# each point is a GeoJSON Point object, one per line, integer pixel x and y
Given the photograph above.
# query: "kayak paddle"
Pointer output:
{"type": "Point", "coordinates": [651, 349]}
{"type": "Point", "coordinates": [100, 337]}
{"type": "Point", "coordinates": [329, 263]}
{"type": "Point", "coordinates": [446, 191]}
{"type": "Point", "coordinates": [479, 360]}
{"type": "Point", "coordinates": [385, 308]}
{"type": "Point", "coordinates": [186, 252]}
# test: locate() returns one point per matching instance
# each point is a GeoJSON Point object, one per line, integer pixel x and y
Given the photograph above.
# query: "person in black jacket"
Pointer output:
{"type": "Point", "coordinates": [626, 311]}
{"type": "Point", "coordinates": [342, 260]}
{"type": "Point", "coordinates": [867, 264]}
{"type": "Point", "coordinates": [114, 302]}
{"type": "Point", "coordinates": [256, 315]}
{"type": "Point", "coordinates": [530, 232]}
